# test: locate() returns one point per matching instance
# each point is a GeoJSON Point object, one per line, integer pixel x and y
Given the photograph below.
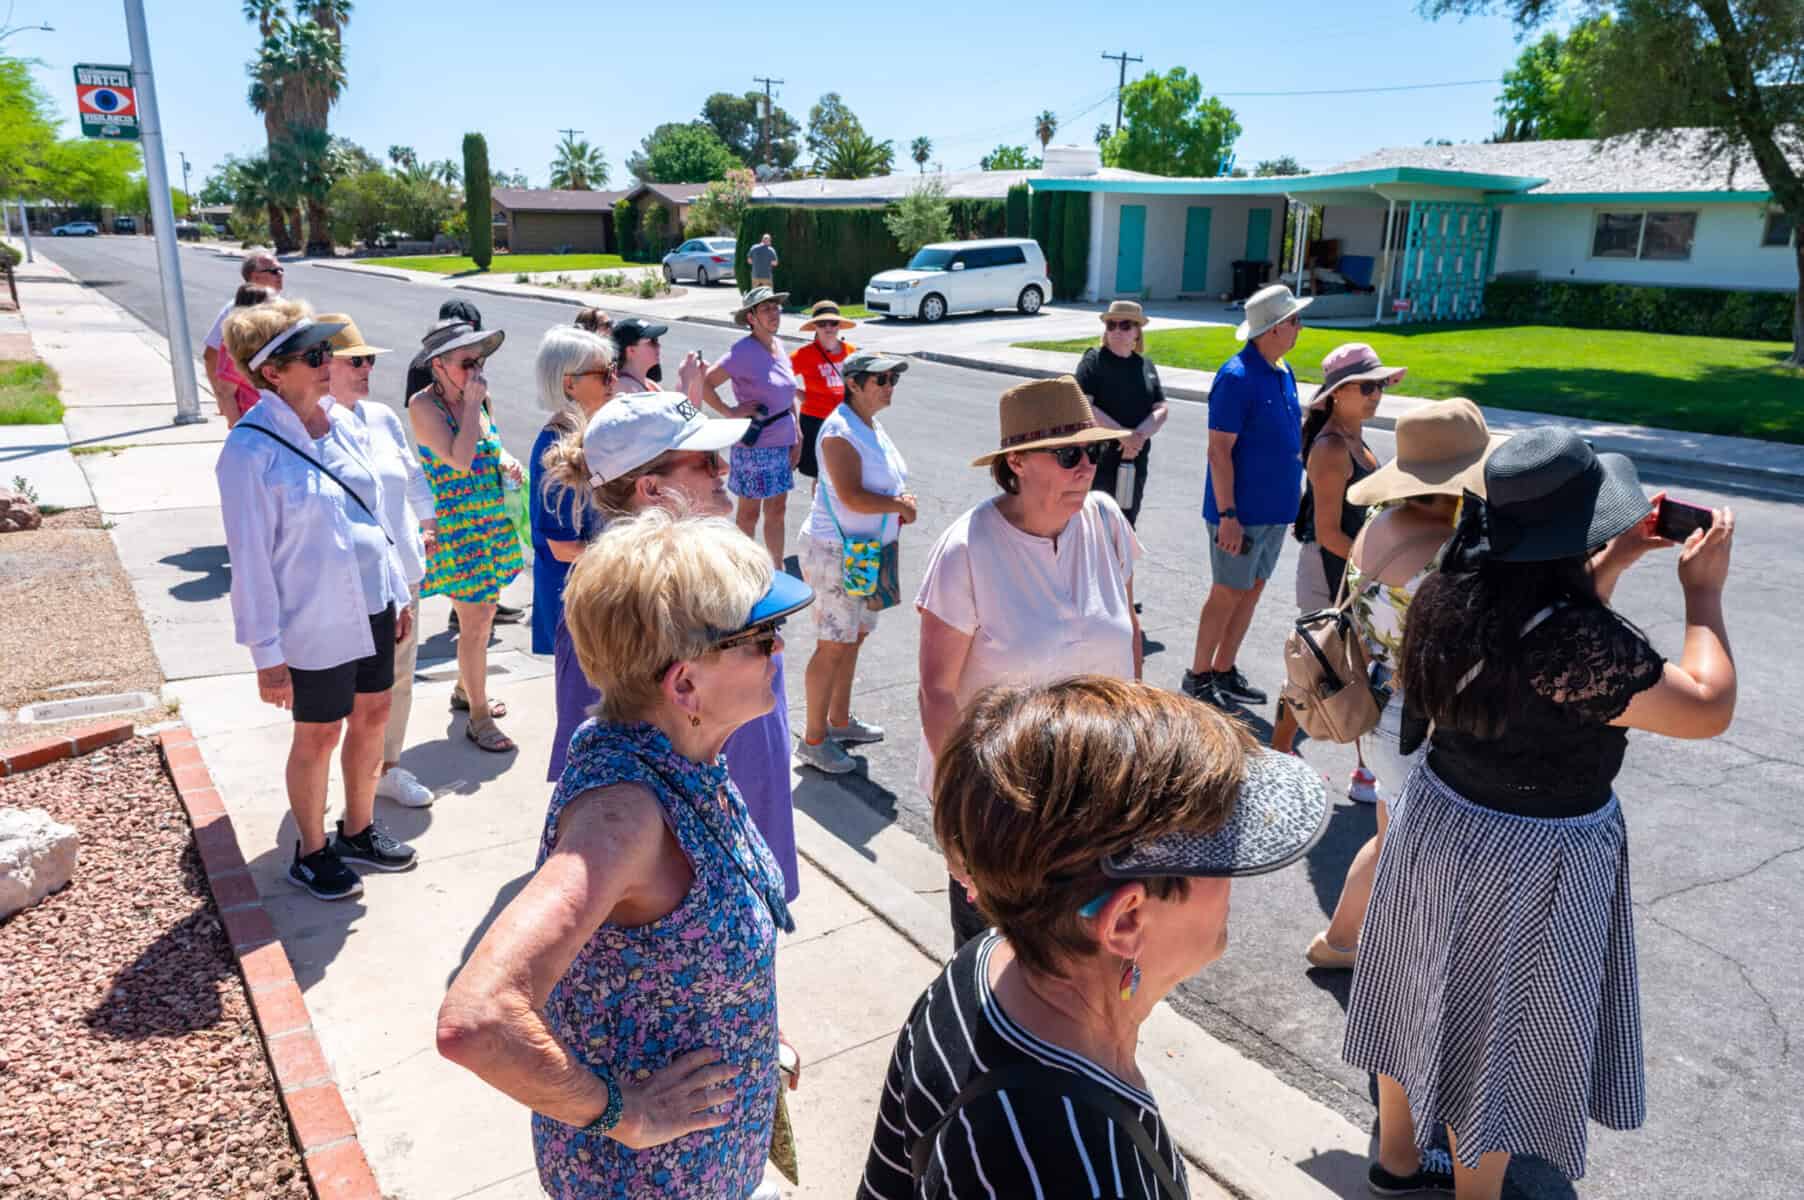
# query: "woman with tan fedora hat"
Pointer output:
{"type": "Point", "coordinates": [820, 384]}
{"type": "Point", "coordinates": [1125, 393]}
{"type": "Point", "coordinates": [762, 470]}
{"type": "Point", "coordinates": [1441, 452]}
{"type": "Point", "coordinates": [1031, 585]}
{"type": "Point", "coordinates": [1335, 456]}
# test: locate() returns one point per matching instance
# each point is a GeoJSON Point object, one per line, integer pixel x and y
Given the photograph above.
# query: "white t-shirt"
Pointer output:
{"type": "Point", "coordinates": [884, 474]}
{"type": "Point", "coordinates": [1035, 614]}
{"type": "Point", "coordinates": [216, 335]}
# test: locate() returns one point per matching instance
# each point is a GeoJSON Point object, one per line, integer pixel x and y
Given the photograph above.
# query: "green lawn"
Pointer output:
{"type": "Point", "coordinates": [28, 394]}
{"type": "Point", "coordinates": [460, 264]}
{"type": "Point", "coordinates": [851, 312]}
{"type": "Point", "coordinates": [1699, 384]}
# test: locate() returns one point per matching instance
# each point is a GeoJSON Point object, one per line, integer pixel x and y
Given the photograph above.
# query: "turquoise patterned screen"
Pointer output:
{"type": "Point", "coordinates": [1444, 260]}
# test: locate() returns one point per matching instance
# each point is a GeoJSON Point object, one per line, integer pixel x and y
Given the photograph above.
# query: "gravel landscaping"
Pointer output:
{"type": "Point", "coordinates": [130, 1064]}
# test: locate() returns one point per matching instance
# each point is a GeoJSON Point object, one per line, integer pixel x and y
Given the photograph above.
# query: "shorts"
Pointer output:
{"type": "Point", "coordinates": [759, 472]}
{"type": "Point", "coordinates": [837, 617]}
{"type": "Point", "coordinates": [762, 281]}
{"type": "Point", "coordinates": [811, 429]}
{"type": "Point", "coordinates": [322, 697]}
{"type": "Point", "coordinates": [1257, 559]}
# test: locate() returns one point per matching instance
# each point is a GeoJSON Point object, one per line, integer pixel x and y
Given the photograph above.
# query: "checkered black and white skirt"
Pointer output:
{"type": "Point", "coordinates": [1496, 978]}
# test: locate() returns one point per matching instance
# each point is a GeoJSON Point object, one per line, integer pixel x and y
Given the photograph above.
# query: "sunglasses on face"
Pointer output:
{"type": "Point", "coordinates": [764, 636]}
{"type": "Point", "coordinates": [1369, 388]}
{"type": "Point", "coordinates": [599, 373]}
{"type": "Point", "coordinates": [882, 378]}
{"type": "Point", "coordinates": [826, 324]}
{"type": "Point", "coordinates": [1120, 326]}
{"type": "Point", "coordinates": [1069, 456]}
{"type": "Point", "coordinates": [315, 356]}
{"type": "Point", "coordinates": [270, 271]}
{"type": "Point", "coordinates": [467, 364]}
{"type": "Point", "coordinates": [703, 460]}
{"type": "Point", "coordinates": [361, 360]}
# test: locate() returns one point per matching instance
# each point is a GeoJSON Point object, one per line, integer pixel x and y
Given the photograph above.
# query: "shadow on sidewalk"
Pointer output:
{"type": "Point", "coordinates": [503, 898]}
{"type": "Point", "coordinates": [824, 798]}
{"type": "Point", "coordinates": [207, 562]}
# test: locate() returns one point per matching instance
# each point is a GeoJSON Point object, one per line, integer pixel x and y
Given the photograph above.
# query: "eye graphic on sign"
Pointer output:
{"type": "Point", "coordinates": [105, 100]}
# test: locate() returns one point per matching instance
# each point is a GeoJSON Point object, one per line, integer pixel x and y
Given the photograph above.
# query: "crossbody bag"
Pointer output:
{"type": "Point", "coordinates": [323, 469]}
{"type": "Point", "coordinates": [870, 568]}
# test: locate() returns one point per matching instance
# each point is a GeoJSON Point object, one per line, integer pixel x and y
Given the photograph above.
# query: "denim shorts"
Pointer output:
{"type": "Point", "coordinates": [1257, 559]}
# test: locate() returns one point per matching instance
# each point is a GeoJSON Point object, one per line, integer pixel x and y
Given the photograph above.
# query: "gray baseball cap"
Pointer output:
{"type": "Point", "coordinates": [869, 362]}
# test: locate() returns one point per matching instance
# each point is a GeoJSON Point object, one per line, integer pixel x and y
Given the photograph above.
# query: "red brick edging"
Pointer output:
{"type": "Point", "coordinates": [322, 1125]}
{"type": "Point", "coordinates": [65, 745]}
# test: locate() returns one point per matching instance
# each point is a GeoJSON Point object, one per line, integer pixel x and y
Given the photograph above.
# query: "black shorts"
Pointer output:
{"type": "Point", "coordinates": [811, 429]}
{"type": "Point", "coordinates": [326, 696]}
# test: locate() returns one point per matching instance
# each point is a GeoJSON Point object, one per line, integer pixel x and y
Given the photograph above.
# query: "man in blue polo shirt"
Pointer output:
{"type": "Point", "coordinates": [1251, 492]}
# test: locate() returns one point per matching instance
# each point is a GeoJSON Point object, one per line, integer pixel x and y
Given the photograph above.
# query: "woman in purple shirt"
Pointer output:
{"type": "Point", "coordinates": [764, 390]}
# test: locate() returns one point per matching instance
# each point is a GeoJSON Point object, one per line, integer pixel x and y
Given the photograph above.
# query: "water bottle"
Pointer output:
{"type": "Point", "coordinates": [1125, 475]}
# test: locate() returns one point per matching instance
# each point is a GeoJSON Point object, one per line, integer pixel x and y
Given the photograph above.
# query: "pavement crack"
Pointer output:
{"type": "Point", "coordinates": [870, 1041]}
{"type": "Point", "coordinates": [1704, 883]}
{"type": "Point", "coordinates": [405, 1058]}
{"type": "Point", "coordinates": [1772, 1013]}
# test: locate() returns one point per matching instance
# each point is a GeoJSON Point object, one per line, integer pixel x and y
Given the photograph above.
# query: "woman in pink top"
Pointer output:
{"type": "Point", "coordinates": [764, 389]}
{"type": "Point", "coordinates": [244, 393]}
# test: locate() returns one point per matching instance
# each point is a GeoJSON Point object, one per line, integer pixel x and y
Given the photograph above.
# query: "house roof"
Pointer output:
{"type": "Point", "coordinates": [1675, 162]}
{"type": "Point", "coordinates": [554, 200]}
{"type": "Point", "coordinates": [673, 193]}
{"type": "Point", "coordinates": [886, 189]}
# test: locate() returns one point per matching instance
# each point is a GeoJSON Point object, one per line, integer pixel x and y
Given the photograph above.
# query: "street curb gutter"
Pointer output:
{"type": "Point", "coordinates": [323, 1130]}
{"type": "Point", "coordinates": [1247, 1131]}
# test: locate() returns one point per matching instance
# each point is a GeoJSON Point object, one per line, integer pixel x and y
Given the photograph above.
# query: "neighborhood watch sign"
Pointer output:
{"type": "Point", "coordinates": [106, 101]}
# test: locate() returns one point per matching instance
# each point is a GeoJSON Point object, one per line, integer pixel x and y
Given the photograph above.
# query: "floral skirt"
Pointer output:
{"type": "Point", "coordinates": [759, 472]}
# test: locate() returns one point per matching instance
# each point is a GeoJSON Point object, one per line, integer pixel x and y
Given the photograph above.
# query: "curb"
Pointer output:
{"type": "Point", "coordinates": [68, 745]}
{"type": "Point", "coordinates": [380, 272]}
{"type": "Point", "coordinates": [323, 1130]}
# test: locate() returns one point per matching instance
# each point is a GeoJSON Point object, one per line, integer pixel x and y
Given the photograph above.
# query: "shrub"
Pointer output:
{"type": "Point", "coordinates": [654, 218]}
{"type": "Point", "coordinates": [827, 253]}
{"type": "Point", "coordinates": [1707, 312]}
{"type": "Point", "coordinates": [248, 230]}
{"type": "Point", "coordinates": [477, 206]}
{"type": "Point", "coordinates": [1072, 249]}
{"type": "Point", "coordinates": [1015, 219]}
{"type": "Point", "coordinates": [8, 256]}
{"type": "Point", "coordinates": [923, 216]}
{"type": "Point", "coordinates": [626, 229]}
{"type": "Point", "coordinates": [977, 218]}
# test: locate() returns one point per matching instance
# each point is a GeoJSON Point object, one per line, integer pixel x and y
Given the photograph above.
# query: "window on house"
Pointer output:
{"type": "Point", "coordinates": [1778, 230]}
{"type": "Point", "coordinates": [1650, 236]}
{"type": "Point", "coordinates": [1618, 235]}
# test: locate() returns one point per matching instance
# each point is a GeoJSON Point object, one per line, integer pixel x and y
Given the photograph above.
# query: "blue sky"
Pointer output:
{"type": "Point", "coordinates": [968, 76]}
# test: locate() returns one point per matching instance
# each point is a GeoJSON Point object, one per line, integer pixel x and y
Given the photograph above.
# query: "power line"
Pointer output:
{"type": "Point", "coordinates": [1401, 87]}
{"type": "Point", "coordinates": [1124, 59]}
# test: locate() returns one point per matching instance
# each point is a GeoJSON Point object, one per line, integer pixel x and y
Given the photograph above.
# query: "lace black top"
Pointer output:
{"type": "Point", "coordinates": [1560, 754]}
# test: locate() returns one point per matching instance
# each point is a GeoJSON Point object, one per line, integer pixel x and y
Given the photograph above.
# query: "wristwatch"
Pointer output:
{"type": "Point", "coordinates": [1229, 514]}
{"type": "Point", "coordinates": [610, 1116]}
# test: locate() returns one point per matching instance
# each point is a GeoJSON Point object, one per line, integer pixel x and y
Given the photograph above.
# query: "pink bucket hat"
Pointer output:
{"type": "Point", "coordinates": [1354, 362]}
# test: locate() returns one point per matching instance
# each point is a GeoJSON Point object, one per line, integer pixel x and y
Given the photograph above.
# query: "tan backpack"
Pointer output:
{"type": "Point", "coordinates": [1328, 680]}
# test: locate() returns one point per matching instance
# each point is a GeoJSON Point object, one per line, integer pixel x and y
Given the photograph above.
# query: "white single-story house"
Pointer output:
{"type": "Point", "coordinates": [1076, 161]}
{"type": "Point", "coordinates": [1415, 233]}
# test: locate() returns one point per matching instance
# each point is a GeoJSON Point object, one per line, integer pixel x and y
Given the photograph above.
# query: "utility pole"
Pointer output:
{"type": "Point", "coordinates": [184, 157]}
{"type": "Point", "coordinates": [162, 215]}
{"type": "Point", "coordinates": [1124, 59]}
{"type": "Point", "coordinates": [764, 136]}
{"type": "Point", "coordinates": [570, 133]}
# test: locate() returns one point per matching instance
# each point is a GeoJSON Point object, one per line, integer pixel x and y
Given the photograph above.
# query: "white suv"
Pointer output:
{"type": "Point", "coordinates": [963, 277]}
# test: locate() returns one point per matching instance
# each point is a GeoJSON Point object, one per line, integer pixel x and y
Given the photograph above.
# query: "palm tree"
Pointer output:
{"type": "Point", "coordinates": [450, 174]}
{"type": "Point", "coordinates": [1045, 125]}
{"type": "Point", "coordinates": [265, 15]}
{"type": "Point", "coordinates": [259, 184]}
{"type": "Point", "coordinates": [310, 159]}
{"type": "Point", "coordinates": [857, 155]}
{"type": "Point", "coordinates": [1104, 132]}
{"type": "Point", "coordinates": [272, 96]}
{"type": "Point", "coordinates": [402, 156]}
{"type": "Point", "coordinates": [578, 166]}
{"type": "Point", "coordinates": [921, 149]}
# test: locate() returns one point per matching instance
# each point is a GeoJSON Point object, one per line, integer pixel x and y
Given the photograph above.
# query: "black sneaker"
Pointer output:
{"type": "Point", "coordinates": [373, 848]}
{"type": "Point", "coordinates": [1201, 686]}
{"type": "Point", "coordinates": [323, 875]}
{"type": "Point", "coordinates": [1435, 1174]}
{"type": "Point", "coordinates": [508, 615]}
{"type": "Point", "coordinates": [1234, 686]}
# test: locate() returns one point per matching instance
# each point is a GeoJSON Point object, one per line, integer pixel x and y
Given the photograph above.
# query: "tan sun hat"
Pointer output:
{"type": "Point", "coordinates": [1044, 414]}
{"type": "Point", "coordinates": [348, 342]}
{"type": "Point", "coordinates": [1124, 310]}
{"type": "Point", "coordinates": [826, 310]}
{"type": "Point", "coordinates": [1269, 307]}
{"type": "Point", "coordinates": [1441, 451]}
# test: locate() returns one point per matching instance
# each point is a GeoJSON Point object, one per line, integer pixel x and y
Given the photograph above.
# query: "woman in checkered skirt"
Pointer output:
{"type": "Point", "coordinates": [1495, 991]}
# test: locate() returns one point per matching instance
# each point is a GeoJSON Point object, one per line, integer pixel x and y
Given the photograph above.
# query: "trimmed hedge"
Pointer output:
{"type": "Point", "coordinates": [972, 219]}
{"type": "Point", "coordinates": [1707, 312]}
{"type": "Point", "coordinates": [476, 200]}
{"type": "Point", "coordinates": [1071, 252]}
{"type": "Point", "coordinates": [1015, 218]}
{"type": "Point", "coordinates": [825, 253]}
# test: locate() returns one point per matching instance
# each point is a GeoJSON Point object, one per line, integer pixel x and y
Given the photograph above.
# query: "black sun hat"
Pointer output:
{"type": "Point", "coordinates": [1548, 496]}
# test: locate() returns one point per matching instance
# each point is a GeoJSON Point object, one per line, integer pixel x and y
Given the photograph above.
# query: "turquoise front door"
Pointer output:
{"type": "Point", "coordinates": [1196, 250]}
{"type": "Point", "coordinates": [1259, 235]}
{"type": "Point", "coordinates": [1130, 249]}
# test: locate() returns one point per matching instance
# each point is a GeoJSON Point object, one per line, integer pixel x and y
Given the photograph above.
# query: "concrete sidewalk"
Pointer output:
{"type": "Point", "coordinates": [872, 929]}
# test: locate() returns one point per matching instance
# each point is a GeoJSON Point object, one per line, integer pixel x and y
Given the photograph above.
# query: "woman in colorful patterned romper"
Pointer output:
{"type": "Point", "coordinates": [478, 551]}
{"type": "Point", "coordinates": [628, 994]}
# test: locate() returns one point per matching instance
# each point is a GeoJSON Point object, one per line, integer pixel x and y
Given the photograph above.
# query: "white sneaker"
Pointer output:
{"type": "Point", "coordinates": [855, 732]}
{"type": "Point", "coordinates": [1362, 786]}
{"type": "Point", "coordinates": [399, 785]}
{"type": "Point", "coordinates": [829, 756]}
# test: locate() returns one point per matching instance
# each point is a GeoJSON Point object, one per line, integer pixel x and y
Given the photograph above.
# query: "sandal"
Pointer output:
{"type": "Point", "coordinates": [488, 736]}
{"type": "Point", "coordinates": [461, 703]}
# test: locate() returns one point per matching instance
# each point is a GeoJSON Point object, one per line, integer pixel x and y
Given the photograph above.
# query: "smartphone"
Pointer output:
{"type": "Point", "coordinates": [1676, 520]}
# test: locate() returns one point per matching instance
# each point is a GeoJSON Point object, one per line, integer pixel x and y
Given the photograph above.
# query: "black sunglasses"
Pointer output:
{"type": "Point", "coordinates": [313, 356]}
{"type": "Point", "coordinates": [269, 271]}
{"type": "Point", "coordinates": [1120, 326]}
{"type": "Point", "coordinates": [763, 635]}
{"type": "Point", "coordinates": [882, 378]}
{"type": "Point", "coordinates": [1369, 388]}
{"type": "Point", "coordinates": [361, 360]}
{"type": "Point", "coordinates": [1069, 456]}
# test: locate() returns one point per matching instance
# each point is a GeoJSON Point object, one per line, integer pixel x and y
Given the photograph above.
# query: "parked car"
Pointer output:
{"type": "Point", "coordinates": [975, 276]}
{"type": "Point", "coordinates": [705, 260]}
{"type": "Point", "coordinates": [189, 231]}
{"type": "Point", "coordinates": [76, 229]}
{"type": "Point", "coordinates": [125, 224]}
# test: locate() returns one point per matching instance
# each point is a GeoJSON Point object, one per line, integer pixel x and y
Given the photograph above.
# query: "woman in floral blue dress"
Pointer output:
{"type": "Point", "coordinates": [628, 994]}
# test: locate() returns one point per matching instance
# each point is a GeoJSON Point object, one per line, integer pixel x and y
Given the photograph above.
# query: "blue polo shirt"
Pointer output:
{"type": "Point", "coordinates": [1258, 403]}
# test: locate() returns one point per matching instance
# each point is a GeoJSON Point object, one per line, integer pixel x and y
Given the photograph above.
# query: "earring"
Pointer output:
{"type": "Point", "coordinates": [695, 721]}
{"type": "Point", "coordinates": [1130, 979]}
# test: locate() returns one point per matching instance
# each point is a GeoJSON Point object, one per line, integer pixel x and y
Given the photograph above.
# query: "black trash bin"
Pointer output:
{"type": "Point", "coordinates": [1249, 277]}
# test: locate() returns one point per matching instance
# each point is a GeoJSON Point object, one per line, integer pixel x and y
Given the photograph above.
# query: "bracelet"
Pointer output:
{"type": "Point", "coordinates": [610, 1116]}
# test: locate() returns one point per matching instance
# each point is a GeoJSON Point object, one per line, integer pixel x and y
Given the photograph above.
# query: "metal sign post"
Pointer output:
{"type": "Point", "coordinates": [25, 232]}
{"type": "Point", "coordinates": [162, 217]}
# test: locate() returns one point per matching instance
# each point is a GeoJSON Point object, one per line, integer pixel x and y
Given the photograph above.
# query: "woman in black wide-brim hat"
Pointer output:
{"type": "Point", "coordinates": [1496, 990]}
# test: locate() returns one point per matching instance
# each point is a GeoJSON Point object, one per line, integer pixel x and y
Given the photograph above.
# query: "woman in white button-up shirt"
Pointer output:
{"type": "Point", "coordinates": [319, 594]}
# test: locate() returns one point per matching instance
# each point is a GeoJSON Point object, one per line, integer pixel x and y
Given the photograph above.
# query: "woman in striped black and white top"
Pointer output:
{"type": "Point", "coordinates": [1098, 821]}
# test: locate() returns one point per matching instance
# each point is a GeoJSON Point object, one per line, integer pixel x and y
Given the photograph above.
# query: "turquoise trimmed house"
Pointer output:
{"type": "Point", "coordinates": [1415, 233]}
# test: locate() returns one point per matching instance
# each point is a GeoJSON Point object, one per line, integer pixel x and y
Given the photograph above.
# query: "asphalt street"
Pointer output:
{"type": "Point", "coordinates": [1717, 829]}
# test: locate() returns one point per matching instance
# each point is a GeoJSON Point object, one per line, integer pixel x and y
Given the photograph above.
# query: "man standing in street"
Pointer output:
{"type": "Point", "coordinates": [1250, 493]}
{"type": "Point", "coordinates": [259, 269]}
{"type": "Point", "coordinates": [763, 258]}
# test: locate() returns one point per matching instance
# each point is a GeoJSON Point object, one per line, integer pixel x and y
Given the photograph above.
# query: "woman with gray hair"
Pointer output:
{"type": "Point", "coordinates": [649, 868]}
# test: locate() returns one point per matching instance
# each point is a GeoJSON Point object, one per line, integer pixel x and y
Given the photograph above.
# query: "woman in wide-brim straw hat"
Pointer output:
{"type": "Point", "coordinates": [1124, 389]}
{"type": "Point", "coordinates": [820, 378]}
{"type": "Point", "coordinates": [762, 471]}
{"type": "Point", "coordinates": [1033, 584]}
